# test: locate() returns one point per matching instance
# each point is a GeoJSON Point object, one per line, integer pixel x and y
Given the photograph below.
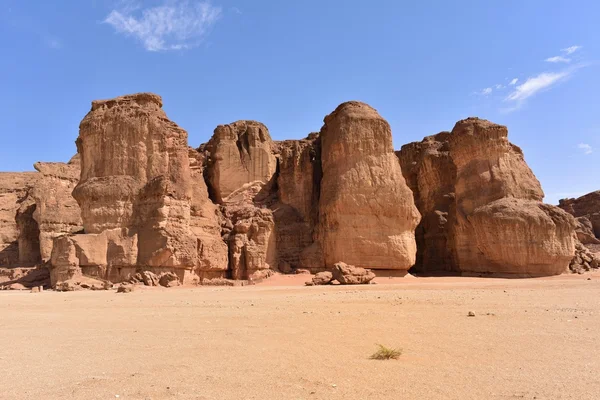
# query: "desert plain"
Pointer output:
{"type": "Point", "coordinates": [529, 339]}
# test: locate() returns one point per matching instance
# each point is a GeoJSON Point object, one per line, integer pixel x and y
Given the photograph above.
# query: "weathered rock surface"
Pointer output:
{"type": "Point", "coordinates": [14, 189]}
{"type": "Point", "coordinates": [251, 236]}
{"type": "Point", "coordinates": [239, 153]}
{"type": "Point", "coordinates": [56, 211]}
{"type": "Point", "coordinates": [585, 260]}
{"type": "Point", "coordinates": [350, 275]}
{"type": "Point", "coordinates": [587, 209]}
{"type": "Point", "coordinates": [138, 204]}
{"type": "Point", "coordinates": [205, 217]}
{"type": "Point", "coordinates": [322, 278]}
{"type": "Point", "coordinates": [367, 213]}
{"type": "Point", "coordinates": [25, 277]}
{"type": "Point", "coordinates": [136, 194]}
{"type": "Point", "coordinates": [482, 206]}
{"type": "Point", "coordinates": [296, 213]}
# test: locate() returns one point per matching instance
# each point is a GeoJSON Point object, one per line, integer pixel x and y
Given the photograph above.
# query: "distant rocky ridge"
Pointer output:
{"type": "Point", "coordinates": [137, 198]}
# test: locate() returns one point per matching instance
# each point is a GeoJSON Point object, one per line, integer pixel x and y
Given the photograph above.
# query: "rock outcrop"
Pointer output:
{"type": "Point", "coordinates": [482, 206]}
{"type": "Point", "coordinates": [239, 153]}
{"type": "Point", "coordinates": [135, 195]}
{"type": "Point", "coordinates": [367, 215]}
{"type": "Point", "coordinates": [56, 211]}
{"type": "Point", "coordinates": [297, 210]}
{"type": "Point", "coordinates": [587, 210]}
{"type": "Point", "coordinates": [137, 204]}
{"type": "Point", "coordinates": [14, 190]}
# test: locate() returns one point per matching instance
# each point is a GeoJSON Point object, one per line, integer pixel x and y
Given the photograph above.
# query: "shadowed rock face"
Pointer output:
{"type": "Point", "coordinates": [482, 206]}
{"type": "Point", "coordinates": [367, 212]}
{"type": "Point", "coordinates": [14, 190]}
{"type": "Point", "coordinates": [587, 209]}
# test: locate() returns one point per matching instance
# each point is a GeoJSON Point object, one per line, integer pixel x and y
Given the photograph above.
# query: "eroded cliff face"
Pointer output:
{"type": "Point", "coordinates": [367, 215]}
{"type": "Point", "coordinates": [14, 191]}
{"type": "Point", "coordinates": [137, 199]}
{"type": "Point", "coordinates": [56, 211]}
{"type": "Point", "coordinates": [239, 153]}
{"type": "Point", "coordinates": [482, 206]}
{"type": "Point", "coordinates": [587, 210]}
{"type": "Point", "coordinates": [139, 205]}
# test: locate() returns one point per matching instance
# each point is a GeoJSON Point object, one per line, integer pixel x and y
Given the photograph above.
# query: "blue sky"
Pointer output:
{"type": "Point", "coordinates": [531, 65]}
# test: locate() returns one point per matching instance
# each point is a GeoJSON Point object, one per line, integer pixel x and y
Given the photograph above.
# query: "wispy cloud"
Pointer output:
{"type": "Point", "coordinates": [499, 86]}
{"type": "Point", "coordinates": [176, 25]}
{"type": "Point", "coordinates": [486, 91]}
{"type": "Point", "coordinates": [571, 50]}
{"type": "Point", "coordinates": [514, 81]}
{"type": "Point", "coordinates": [52, 42]}
{"type": "Point", "coordinates": [558, 59]}
{"type": "Point", "coordinates": [586, 148]}
{"type": "Point", "coordinates": [536, 84]}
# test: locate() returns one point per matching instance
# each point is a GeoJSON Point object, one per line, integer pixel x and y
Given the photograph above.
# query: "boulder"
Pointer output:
{"type": "Point", "coordinates": [482, 206]}
{"type": "Point", "coordinates": [322, 278]}
{"type": "Point", "coordinates": [367, 215]}
{"type": "Point", "coordinates": [168, 279]}
{"type": "Point", "coordinates": [350, 275]}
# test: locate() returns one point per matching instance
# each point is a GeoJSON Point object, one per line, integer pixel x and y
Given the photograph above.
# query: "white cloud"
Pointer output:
{"type": "Point", "coordinates": [571, 50]}
{"type": "Point", "coordinates": [514, 81]}
{"type": "Point", "coordinates": [53, 43]}
{"type": "Point", "coordinates": [558, 59]}
{"type": "Point", "coordinates": [176, 25]}
{"type": "Point", "coordinates": [535, 84]}
{"type": "Point", "coordinates": [586, 148]}
{"type": "Point", "coordinates": [486, 91]}
{"type": "Point", "coordinates": [499, 86]}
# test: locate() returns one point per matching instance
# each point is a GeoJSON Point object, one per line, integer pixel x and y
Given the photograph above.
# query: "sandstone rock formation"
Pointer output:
{"type": "Point", "coordinates": [14, 189]}
{"type": "Point", "coordinates": [137, 204]}
{"type": "Point", "coordinates": [482, 206]}
{"type": "Point", "coordinates": [297, 210]}
{"type": "Point", "coordinates": [135, 194]}
{"type": "Point", "coordinates": [56, 211]}
{"type": "Point", "coordinates": [587, 210]}
{"type": "Point", "coordinates": [239, 153]}
{"type": "Point", "coordinates": [367, 215]}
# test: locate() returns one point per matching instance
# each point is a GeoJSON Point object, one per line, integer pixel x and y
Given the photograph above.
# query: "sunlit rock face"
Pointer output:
{"type": "Point", "coordinates": [482, 206]}
{"type": "Point", "coordinates": [367, 215]}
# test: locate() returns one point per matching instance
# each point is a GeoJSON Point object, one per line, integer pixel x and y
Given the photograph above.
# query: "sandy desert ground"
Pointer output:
{"type": "Point", "coordinates": [530, 339]}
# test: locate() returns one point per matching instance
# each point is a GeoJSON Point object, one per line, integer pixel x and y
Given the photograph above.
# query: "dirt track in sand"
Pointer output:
{"type": "Point", "coordinates": [530, 339]}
